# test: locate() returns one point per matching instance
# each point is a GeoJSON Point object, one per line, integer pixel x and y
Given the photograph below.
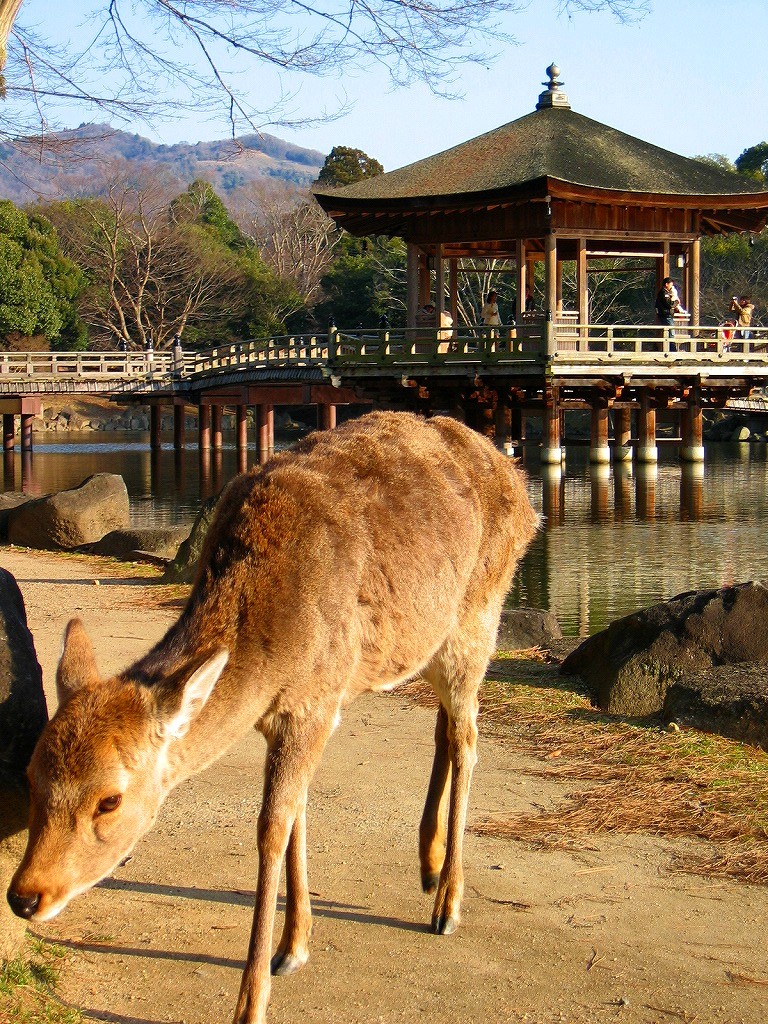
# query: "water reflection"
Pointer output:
{"type": "Point", "coordinates": [614, 538]}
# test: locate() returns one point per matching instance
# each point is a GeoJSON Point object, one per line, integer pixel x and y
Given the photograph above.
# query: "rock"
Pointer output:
{"type": "Point", "coordinates": [162, 540]}
{"type": "Point", "coordinates": [182, 568]}
{"type": "Point", "coordinates": [630, 665]}
{"type": "Point", "coordinates": [8, 501]}
{"type": "Point", "coordinates": [521, 628]}
{"type": "Point", "coordinates": [731, 700]}
{"type": "Point", "coordinates": [23, 713]}
{"type": "Point", "coordinates": [69, 519]}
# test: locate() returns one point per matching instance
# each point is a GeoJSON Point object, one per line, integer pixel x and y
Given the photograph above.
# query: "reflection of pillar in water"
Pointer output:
{"type": "Point", "coordinates": [622, 441]}
{"type": "Point", "coordinates": [242, 460]}
{"type": "Point", "coordinates": [218, 460]}
{"type": "Point", "coordinates": [599, 476]}
{"type": "Point", "coordinates": [180, 469]}
{"type": "Point", "coordinates": [553, 494]}
{"type": "Point", "coordinates": [27, 483]}
{"type": "Point", "coordinates": [9, 470]}
{"type": "Point", "coordinates": [647, 474]}
{"type": "Point", "coordinates": [155, 471]}
{"type": "Point", "coordinates": [622, 488]}
{"type": "Point", "coordinates": [241, 427]}
{"type": "Point", "coordinates": [692, 490]}
{"type": "Point", "coordinates": [204, 427]}
{"type": "Point", "coordinates": [504, 424]}
{"type": "Point", "coordinates": [179, 438]}
{"type": "Point", "coordinates": [155, 425]}
{"type": "Point", "coordinates": [205, 473]}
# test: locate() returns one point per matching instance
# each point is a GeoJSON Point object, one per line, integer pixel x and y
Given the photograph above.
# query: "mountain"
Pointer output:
{"type": "Point", "coordinates": [64, 163]}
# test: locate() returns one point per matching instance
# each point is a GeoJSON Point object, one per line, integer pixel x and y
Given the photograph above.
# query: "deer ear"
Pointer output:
{"type": "Point", "coordinates": [180, 706]}
{"type": "Point", "coordinates": [77, 666]}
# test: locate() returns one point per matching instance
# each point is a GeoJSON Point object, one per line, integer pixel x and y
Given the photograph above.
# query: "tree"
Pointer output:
{"type": "Point", "coordinates": [135, 59]}
{"type": "Point", "coordinates": [343, 166]}
{"type": "Point", "coordinates": [159, 266]}
{"type": "Point", "coordinates": [365, 283]}
{"type": "Point", "coordinates": [38, 284]}
{"type": "Point", "coordinates": [754, 161]}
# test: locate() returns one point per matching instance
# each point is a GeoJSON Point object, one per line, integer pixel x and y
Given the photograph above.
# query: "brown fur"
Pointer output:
{"type": "Point", "coordinates": [368, 555]}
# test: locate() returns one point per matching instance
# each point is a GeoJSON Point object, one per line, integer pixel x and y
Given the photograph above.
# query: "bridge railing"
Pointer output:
{"type": "Point", "coordinates": [589, 343]}
{"type": "Point", "coordinates": [84, 364]}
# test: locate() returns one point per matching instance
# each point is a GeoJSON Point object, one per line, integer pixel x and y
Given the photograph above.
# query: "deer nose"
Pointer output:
{"type": "Point", "coordinates": [23, 906]}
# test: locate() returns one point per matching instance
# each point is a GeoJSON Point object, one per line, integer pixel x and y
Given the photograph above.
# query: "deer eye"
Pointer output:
{"type": "Point", "coordinates": [108, 804]}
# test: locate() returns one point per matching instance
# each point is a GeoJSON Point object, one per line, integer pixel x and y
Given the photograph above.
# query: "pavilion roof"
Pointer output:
{"type": "Point", "coordinates": [552, 144]}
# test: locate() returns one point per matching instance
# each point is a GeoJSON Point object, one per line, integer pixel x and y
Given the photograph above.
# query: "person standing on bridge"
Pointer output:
{"type": "Point", "coordinates": [745, 308]}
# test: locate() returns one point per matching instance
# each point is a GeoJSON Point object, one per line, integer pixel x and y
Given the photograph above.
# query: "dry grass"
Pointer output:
{"type": "Point", "coordinates": [640, 778]}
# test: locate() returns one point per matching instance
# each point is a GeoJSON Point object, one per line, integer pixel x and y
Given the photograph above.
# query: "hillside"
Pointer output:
{"type": "Point", "coordinates": [72, 158]}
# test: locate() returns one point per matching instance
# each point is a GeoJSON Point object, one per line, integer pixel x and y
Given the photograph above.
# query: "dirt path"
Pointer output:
{"type": "Point", "coordinates": [600, 935]}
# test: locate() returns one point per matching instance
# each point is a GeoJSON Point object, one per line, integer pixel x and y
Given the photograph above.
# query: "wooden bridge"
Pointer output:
{"type": "Point", "coordinates": [490, 377]}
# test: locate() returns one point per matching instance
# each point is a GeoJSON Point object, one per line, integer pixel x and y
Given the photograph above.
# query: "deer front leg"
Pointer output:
{"type": "Point", "coordinates": [293, 754]}
{"type": "Point", "coordinates": [462, 737]}
{"type": "Point", "coordinates": [432, 831]}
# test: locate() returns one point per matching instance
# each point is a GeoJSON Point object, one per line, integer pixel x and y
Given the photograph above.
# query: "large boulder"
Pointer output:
{"type": "Point", "coordinates": [731, 700]}
{"type": "Point", "coordinates": [128, 544]}
{"type": "Point", "coordinates": [522, 628]}
{"type": "Point", "coordinates": [8, 501]}
{"type": "Point", "coordinates": [69, 519]}
{"type": "Point", "coordinates": [23, 713]}
{"type": "Point", "coordinates": [630, 665]}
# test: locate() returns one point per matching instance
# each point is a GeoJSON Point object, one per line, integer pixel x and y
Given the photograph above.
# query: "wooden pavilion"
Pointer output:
{"type": "Point", "coordinates": [552, 186]}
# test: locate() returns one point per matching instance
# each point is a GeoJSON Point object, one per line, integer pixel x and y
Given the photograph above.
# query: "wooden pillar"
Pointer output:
{"type": "Point", "coordinates": [412, 282]}
{"type": "Point", "coordinates": [425, 285]}
{"type": "Point", "coordinates": [622, 441]}
{"type": "Point", "coordinates": [265, 431]}
{"type": "Point", "coordinates": [517, 423]}
{"type": "Point", "coordinates": [241, 426]}
{"type": "Point", "coordinates": [582, 281]}
{"type": "Point", "coordinates": [453, 289]}
{"type": "Point", "coordinates": [204, 428]}
{"type": "Point", "coordinates": [599, 451]}
{"type": "Point", "coordinates": [155, 426]}
{"type": "Point", "coordinates": [179, 437]}
{"type": "Point", "coordinates": [9, 431]}
{"type": "Point", "coordinates": [522, 278]}
{"type": "Point", "coordinates": [646, 429]}
{"type": "Point", "coordinates": [551, 451]}
{"type": "Point", "coordinates": [550, 290]}
{"type": "Point", "coordinates": [692, 448]}
{"type": "Point", "coordinates": [439, 281]}
{"type": "Point", "coordinates": [504, 424]}
{"type": "Point", "coordinates": [327, 416]}
{"type": "Point", "coordinates": [217, 415]}
{"type": "Point", "coordinates": [695, 282]}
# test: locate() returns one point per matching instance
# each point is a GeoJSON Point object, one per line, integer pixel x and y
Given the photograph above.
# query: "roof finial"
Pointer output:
{"type": "Point", "coordinates": [552, 96]}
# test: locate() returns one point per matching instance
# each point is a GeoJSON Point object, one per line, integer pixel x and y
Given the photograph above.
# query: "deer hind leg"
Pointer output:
{"type": "Point", "coordinates": [293, 949]}
{"type": "Point", "coordinates": [456, 673]}
{"type": "Point", "coordinates": [293, 754]}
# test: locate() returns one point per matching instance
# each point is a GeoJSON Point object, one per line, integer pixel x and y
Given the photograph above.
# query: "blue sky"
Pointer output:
{"type": "Point", "coordinates": [688, 76]}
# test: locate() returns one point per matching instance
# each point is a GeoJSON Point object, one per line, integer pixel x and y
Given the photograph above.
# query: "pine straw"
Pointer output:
{"type": "Point", "coordinates": [641, 778]}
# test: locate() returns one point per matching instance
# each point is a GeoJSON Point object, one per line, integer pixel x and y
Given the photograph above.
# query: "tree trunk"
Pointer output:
{"type": "Point", "coordinates": [8, 11]}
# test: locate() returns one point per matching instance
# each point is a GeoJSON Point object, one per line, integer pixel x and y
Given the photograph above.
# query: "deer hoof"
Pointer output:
{"type": "Point", "coordinates": [444, 925]}
{"type": "Point", "coordinates": [286, 963]}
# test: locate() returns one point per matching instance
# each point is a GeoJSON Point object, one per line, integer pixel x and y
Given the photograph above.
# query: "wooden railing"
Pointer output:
{"type": "Point", "coordinates": [90, 364]}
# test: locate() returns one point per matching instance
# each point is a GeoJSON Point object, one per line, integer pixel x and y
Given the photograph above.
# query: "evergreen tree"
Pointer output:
{"type": "Point", "coordinates": [343, 166]}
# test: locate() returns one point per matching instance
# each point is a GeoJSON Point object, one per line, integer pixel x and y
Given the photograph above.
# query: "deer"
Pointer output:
{"type": "Point", "coordinates": [371, 554]}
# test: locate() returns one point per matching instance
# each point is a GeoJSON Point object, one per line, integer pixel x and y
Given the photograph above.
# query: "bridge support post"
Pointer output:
{"type": "Point", "coordinates": [599, 452]}
{"type": "Point", "coordinates": [9, 432]}
{"type": "Point", "coordinates": [179, 438]}
{"type": "Point", "coordinates": [646, 429]}
{"type": "Point", "coordinates": [622, 439]}
{"type": "Point", "coordinates": [327, 417]}
{"type": "Point", "coordinates": [692, 448]}
{"type": "Point", "coordinates": [265, 430]}
{"type": "Point", "coordinates": [204, 427]}
{"type": "Point", "coordinates": [155, 426]}
{"type": "Point", "coordinates": [217, 414]}
{"type": "Point", "coordinates": [504, 425]}
{"type": "Point", "coordinates": [551, 451]}
{"type": "Point", "coordinates": [26, 431]}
